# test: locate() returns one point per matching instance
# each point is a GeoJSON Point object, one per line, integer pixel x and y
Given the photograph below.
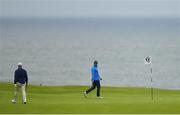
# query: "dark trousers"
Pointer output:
{"type": "Point", "coordinates": [95, 84]}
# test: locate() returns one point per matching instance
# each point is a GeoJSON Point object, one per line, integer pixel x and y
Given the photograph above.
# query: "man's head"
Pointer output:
{"type": "Point", "coordinates": [19, 65]}
{"type": "Point", "coordinates": [95, 63]}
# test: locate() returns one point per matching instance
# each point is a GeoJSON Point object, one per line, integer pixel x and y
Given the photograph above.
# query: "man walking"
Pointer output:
{"type": "Point", "coordinates": [20, 81]}
{"type": "Point", "coordinates": [95, 80]}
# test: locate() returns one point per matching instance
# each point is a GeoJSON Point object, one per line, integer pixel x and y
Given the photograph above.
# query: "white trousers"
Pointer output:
{"type": "Point", "coordinates": [23, 88]}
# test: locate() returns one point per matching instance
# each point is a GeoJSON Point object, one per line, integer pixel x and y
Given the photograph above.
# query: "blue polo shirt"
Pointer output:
{"type": "Point", "coordinates": [95, 73]}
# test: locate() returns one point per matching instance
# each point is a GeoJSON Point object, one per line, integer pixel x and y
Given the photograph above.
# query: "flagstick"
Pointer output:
{"type": "Point", "coordinates": [152, 97]}
{"type": "Point", "coordinates": [148, 61]}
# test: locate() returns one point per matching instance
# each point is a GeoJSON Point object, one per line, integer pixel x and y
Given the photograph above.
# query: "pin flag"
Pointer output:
{"type": "Point", "coordinates": [147, 60]}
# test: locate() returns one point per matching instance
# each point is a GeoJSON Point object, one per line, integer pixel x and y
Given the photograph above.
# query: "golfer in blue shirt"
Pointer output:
{"type": "Point", "coordinates": [95, 80]}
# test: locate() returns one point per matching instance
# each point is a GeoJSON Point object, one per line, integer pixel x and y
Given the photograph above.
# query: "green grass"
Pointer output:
{"type": "Point", "coordinates": [69, 99]}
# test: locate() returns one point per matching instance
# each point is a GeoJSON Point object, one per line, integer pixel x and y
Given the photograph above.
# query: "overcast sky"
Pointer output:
{"type": "Point", "coordinates": [90, 8]}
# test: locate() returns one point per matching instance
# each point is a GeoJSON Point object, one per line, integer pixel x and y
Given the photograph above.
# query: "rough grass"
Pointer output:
{"type": "Point", "coordinates": [69, 99]}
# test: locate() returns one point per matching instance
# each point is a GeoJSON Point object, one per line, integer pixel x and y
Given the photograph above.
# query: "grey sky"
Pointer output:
{"type": "Point", "coordinates": [90, 8]}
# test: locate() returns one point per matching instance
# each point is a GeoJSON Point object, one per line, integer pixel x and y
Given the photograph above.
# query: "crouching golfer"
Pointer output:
{"type": "Point", "coordinates": [95, 81]}
{"type": "Point", "coordinates": [20, 80]}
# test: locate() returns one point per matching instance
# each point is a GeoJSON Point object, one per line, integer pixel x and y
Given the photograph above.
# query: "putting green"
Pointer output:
{"type": "Point", "coordinates": [69, 99]}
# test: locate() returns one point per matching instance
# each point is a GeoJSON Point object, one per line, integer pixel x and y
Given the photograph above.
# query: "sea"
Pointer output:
{"type": "Point", "coordinates": [61, 51]}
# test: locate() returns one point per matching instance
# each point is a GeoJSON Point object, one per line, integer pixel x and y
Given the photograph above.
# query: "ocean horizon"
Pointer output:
{"type": "Point", "coordinates": [61, 51]}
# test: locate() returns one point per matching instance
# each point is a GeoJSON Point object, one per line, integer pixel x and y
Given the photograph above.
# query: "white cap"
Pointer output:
{"type": "Point", "coordinates": [19, 64]}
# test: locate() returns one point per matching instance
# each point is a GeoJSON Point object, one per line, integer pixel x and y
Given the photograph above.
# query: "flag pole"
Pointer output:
{"type": "Point", "coordinates": [152, 91]}
{"type": "Point", "coordinates": [148, 61]}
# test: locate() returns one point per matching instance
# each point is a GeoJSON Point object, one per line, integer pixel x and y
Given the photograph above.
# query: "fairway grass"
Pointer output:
{"type": "Point", "coordinates": [70, 99]}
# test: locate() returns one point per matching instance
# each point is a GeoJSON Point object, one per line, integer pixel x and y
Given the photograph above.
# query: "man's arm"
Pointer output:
{"type": "Point", "coordinates": [26, 76]}
{"type": "Point", "coordinates": [15, 77]}
{"type": "Point", "coordinates": [98, 74]}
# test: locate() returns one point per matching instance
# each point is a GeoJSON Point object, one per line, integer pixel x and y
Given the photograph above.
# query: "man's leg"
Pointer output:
{"type": "Point", "coordinates": [98, 88]}
{"type": "Point", "coordinates": [23, 93]}
{"type": "Point", "coordinates": [16, 88]}
{"type": "Point", "coordinates": [92, 87]}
